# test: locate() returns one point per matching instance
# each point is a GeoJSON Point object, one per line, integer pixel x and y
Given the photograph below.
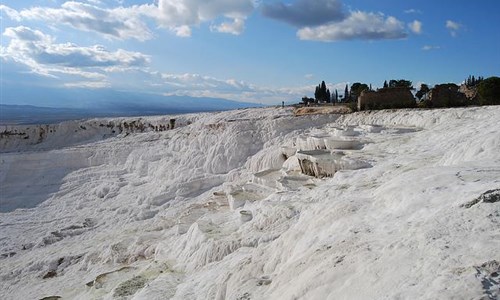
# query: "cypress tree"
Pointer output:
{"type": "Point", "coordinates": [322, 93]}
{"type": "Point", "coordinates": [346, 93]}
{"type": "Point", "coordinates": [322, 90]}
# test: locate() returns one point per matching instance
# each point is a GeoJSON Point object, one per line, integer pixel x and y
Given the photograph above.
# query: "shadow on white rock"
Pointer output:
{"type": "Point", "coordinates": [324, 163]}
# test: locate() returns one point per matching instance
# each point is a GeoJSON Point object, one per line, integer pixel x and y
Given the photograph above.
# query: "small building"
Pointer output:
{"type": "Point", "coordinates": [385, 98]}
{"type": "Point", "coordinates": [447, 95]}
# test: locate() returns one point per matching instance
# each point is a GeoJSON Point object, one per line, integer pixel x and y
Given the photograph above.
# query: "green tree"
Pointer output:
{"type": "Point", "coordinates": [357, 88]}
{"type": "Point", "coordinates": [424, 89]}
{"type": "Point", "coordinates": [489, 91]}
{"type": "Point", "coordinates": [306, 100]}
{"type": "Point", "coordinates": [472, 81]}
{"type": "Point", "coordinates": [400, 83]}
{"type": "Point", "coordinates": [321, 93]}
{"type": "Point", "coordinates": [385, 84]}
{"type": "Point", "coordinates": [346, 93]}
{"type": "Point", "coordinates": [323, 86]}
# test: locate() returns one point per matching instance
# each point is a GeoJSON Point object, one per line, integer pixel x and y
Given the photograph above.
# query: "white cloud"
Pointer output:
{"type": "Point", "coordinates": [117, 72]}
{"type": "Point", "coordinates": [416, 27]}
{"type": "Point", "coordinates": [26, 34]}
{"type": "Point", "coordinates": [88, 84]}
{"type": "Point", "coordinates": [309, 76]}
{"type": "Point", "coordinates": [182, 31]}
{"type": "Point", "coordinates": [413, 11]}
{"type": "Point", "coordinates": [326, 21]}
{"type": "Point", "coordinates": [359, 25]}
{"type": "Point", "coordinates": [11, 13]}
{"type": "Point", "coordinates": [94, 1]}
{"type": "Point", "coordinates": [453, 27]}
{"type": "Point", "coordinates": [174, 13]}
{"type": "Point", "coordinates": [114, 23]}
{"type": "Point", "coordinates": [235, 28]}
{"type": "Point", "coordinates": [429, 47]}
{"type": "Point", "coordinates": [43, 56]}
{"type": "Point", "coordinates": [130, 22]}
{"type": "Point", "coordinates": [196, 82]}
{"type": "Point", "coordinates": [196, 85]}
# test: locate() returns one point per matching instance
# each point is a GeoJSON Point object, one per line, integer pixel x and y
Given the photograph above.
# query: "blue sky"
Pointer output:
{"type": "Point", "coordinates": [243, 50]}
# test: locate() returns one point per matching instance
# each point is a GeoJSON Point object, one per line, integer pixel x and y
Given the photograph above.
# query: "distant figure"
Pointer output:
{"type": "Point", "coordinates": [282, 104]}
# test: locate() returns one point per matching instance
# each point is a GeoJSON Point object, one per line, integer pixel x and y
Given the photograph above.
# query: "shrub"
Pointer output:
{"type": "Point", "coordinates": [489, 91]}
{"type": "Point", "coordinates": [353, 106]}
{"type": "Point", "coordinates": [425, 104]}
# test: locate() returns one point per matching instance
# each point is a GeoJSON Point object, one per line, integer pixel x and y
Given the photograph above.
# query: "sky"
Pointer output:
{"type": "Point", "coordinates": [258, 51]}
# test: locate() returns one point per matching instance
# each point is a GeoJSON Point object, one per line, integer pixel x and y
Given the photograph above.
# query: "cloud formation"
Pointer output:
{"type": "Point", "coordinates": [429, 47]}
{"type": "Point", "coordinates": [115, 23]}
{"type": "Point", "coordinates": [122, 23]}
{"type": "Point", "coordinates": [173, 14]}
{"type": "Point", "coordinates": [416, 27]}
{"type": "Point", "coordinates": [305, 12]}
{"type": "Point", "coordinates": [325, 21]}
{"type": "Point", "coordinates": [413, 11]}
{"type": "Point", "coordinates": [88, 84]}
{"type": "Point", "coordinates": [359, 25]}
{"type": "Point", "coordinates": [11, 13]}
{"type": "Point", "coordinates": [322, 20]}
{"type": "Point", "coordinates": [191, 12]}
{"type": "Point", "coordinates": [236, 27]}
{"type": "Point", "coordinates": [196, 85]}
{"type": "Point", "coordinates": [453, 27]}
{"type": "Point", "coordinates": [94, 67]}
{"type": "Point", "coordinates": [43, 56]}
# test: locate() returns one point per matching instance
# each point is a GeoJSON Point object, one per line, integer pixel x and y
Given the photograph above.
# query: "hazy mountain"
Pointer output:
{"type": "Point", "coordinates": [49, 105]}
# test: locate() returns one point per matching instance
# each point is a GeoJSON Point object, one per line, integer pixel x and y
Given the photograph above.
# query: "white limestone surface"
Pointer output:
{"type": "Point", "coordinates": [145, 215]}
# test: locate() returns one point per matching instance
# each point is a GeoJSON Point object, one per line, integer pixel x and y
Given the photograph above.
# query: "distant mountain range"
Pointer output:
{"type": "Point", "coordinates": [44, 106]}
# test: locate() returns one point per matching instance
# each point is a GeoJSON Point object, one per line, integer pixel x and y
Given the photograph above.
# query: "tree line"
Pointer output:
{"type": "Point", "coordinates": [488, 90]}
{"type": "Point", "coordinates": [322, 93]}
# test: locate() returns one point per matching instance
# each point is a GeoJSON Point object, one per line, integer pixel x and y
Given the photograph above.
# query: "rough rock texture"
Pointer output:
{"type": "Point", "coordinates": [148, 215]}
{"type": "Point", "coordinates": [447, 95]}
{"type": "Point", "coordinates": [470, 92]}
{"type": "Point", "coordinates": [386, 98]}
{"type": "Point", "coordinates": [339, 109]}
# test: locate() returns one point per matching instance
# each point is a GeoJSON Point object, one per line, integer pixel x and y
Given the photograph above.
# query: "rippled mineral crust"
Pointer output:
{"type": "Point", "coordinates": [220, 207]}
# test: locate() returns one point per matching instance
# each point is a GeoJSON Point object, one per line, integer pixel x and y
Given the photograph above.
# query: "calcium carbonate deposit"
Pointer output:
{"type": "Point", "coordinates": [253, 204]}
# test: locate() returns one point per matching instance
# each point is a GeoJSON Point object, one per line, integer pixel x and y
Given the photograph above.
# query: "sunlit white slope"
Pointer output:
{"type": "Point", "coordinates": [157, 215]}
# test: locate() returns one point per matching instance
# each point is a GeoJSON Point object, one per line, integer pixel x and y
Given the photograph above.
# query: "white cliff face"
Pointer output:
{"type": "Point", "coordinates": [217, 208]}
